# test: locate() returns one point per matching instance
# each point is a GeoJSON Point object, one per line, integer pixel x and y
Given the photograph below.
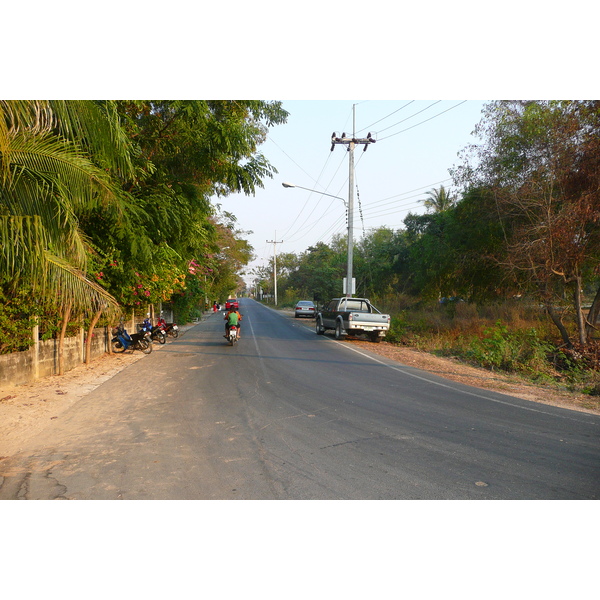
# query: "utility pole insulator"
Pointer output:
{"type": "Point", "coordinates": [343, 139]}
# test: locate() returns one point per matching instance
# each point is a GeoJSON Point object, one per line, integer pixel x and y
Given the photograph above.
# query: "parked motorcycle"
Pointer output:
{"type": "Point", "coordinates": [232, 335]}
{"type": "Point", "coordinates": [172, 329]}
{"type": "Point", "coordinates": [158, 335]}
{"type": "Point", "coordinates": [123, 341]}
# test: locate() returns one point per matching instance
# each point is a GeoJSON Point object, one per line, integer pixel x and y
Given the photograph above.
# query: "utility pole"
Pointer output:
{"type": "Point", "coordinates": [351, 142]}
{"type": "Point", "coordinates": [275, 242]}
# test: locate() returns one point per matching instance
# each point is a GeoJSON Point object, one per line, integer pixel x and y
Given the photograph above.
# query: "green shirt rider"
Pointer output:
{"type": "Point", "coordinates": [233, 317]}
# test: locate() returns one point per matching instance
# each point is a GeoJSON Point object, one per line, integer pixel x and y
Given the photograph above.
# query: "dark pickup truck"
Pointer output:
{"type": "Point", "coordinates": [352, 316]}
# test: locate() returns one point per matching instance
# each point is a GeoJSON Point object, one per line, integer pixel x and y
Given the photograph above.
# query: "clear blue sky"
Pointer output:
{"type": "Point", "coordinates": [417, 143]}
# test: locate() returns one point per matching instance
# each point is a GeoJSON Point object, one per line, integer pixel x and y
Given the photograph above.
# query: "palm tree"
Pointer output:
{"type": "Point", "coordinates": [55, 159]}
{"type": "Point", "coordinates": [439, 200]}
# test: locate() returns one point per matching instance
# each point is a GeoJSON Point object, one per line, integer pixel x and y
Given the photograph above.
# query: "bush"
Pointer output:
{"type": "Point", "coordinates": [397, 330]}
{"type": "Point", "coordinates": [17, 319]}
{"type": "Point", "coordinates": [515, 351]}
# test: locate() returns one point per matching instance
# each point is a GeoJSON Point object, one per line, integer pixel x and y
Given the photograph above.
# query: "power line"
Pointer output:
{"type": "Point", "coordinates": [313, 224]}
{"type": "Point", "coordinates": [287, 233]}
{"type": "Point", "coordinates": [411, 116]}
{"type": "Point", "coordinates": [374, 202]}
{"type": "Point", "coordinates": [421, 123]}
{"type": "Point", "coordinates": [373, 209]}
{"type": "Point", "coordinates": [384, 118]}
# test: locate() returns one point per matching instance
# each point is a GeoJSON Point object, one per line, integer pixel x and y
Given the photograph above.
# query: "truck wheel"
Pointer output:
{"type": "Point", "coordinates": [375, 337]}
{"type": "Point", "coordinates": [338, 331]}
{"type": "Point", "coordinates": [319, 327]}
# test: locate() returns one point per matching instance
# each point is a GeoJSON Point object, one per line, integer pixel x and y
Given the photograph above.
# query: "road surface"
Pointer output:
{"type": "Point", "coordinates": [287, 414]}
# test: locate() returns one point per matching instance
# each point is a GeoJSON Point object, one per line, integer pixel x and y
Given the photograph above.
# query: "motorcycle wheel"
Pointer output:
{"type": "Point", "coordinates": [159, 337]}
{"type": "Point", "coordinates": [145, 346]}
{"type": "Point", "coordinates": [173, 333]}
{"type": "Point", "coordinates": [117, 347]}
{"type": "Point", "coordinates": [162, 338]}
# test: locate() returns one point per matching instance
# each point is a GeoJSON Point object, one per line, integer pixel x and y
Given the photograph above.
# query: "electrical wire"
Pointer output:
{"type": "Point", "coordinates": [384, 200]}
{"type": "Point", "coordinates": [312, 225]}
{"type": "Point", "coordinates": [314, 208]}
{"type": "Point", "coordinates": [384, 118]}
{"type": "Point", "coordinates": [304, 229]}
{"type": "Point", "coordinates": [411, 116]}
{"type": "Point", "coordinates": [420, 123]}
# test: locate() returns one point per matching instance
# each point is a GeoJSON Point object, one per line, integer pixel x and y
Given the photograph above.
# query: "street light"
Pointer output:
{"type": "Point", "coordinates": [293, 185]}
{"type": "Point", "coordinates": [348, 290]}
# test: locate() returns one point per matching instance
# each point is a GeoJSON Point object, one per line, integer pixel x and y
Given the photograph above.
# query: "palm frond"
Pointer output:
{"type": "Point", "coordinates": [60, 164]}
{"type": "Point", "coordinates": [70, 285]}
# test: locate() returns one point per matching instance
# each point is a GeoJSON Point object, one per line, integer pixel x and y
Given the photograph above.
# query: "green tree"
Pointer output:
{"type": "Point", "coordinates": [430, 257]}
{"type": "Point", "coordinates": [320, 272]}
{"type": "Point", "coordinates": [374, 260]}
{"type": "Point", "coordinates": [56, 159]}
{"type": "Point", "coordinates": [439, 200]}
{"type": "Point", "coordinates": [187, 153]}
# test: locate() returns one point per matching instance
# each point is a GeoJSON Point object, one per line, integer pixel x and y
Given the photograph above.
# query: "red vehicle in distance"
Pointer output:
{"type": "Point", "coordinates": [232, 303]}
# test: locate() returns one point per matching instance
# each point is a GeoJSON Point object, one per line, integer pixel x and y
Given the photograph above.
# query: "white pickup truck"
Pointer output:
{"type": "Point", "coordinates": [352, 316]}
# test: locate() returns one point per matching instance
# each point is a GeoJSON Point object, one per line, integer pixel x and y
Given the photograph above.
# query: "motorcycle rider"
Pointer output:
{"type": "Point", "coordinates": [233, 317]}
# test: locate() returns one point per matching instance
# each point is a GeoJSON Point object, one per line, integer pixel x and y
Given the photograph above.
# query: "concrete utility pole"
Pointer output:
{"type": "Point", "coordinates": [275, 242]}
{"type": "Point", "coordinates": [351, 143]}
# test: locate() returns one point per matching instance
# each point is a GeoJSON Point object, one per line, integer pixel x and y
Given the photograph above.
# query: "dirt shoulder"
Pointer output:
{"type": "Point", "coordinates": [25, 410]}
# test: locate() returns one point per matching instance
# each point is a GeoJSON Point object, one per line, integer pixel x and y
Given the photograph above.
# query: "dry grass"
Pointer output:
{"type": "Point", "coordinates": [511, 336]}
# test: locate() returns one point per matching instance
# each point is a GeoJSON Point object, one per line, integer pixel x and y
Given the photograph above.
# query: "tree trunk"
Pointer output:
{"type": "Point", "coordinates": [88, 341]}
{"type": "Point", "coordinates": [579, 312]}
{"type": "Point", "coordinates": [61, 340]}
{"type": "Point", "coordinates": [593, 315]}
{"type": "Point", "coordinates": [556, 320]}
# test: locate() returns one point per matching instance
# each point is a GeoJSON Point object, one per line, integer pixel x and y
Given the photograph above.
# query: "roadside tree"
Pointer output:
{"type": "Point", "coordinates": [542, 162]}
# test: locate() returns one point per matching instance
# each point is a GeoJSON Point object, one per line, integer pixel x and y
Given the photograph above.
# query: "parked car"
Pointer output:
{"type": "Point", "coordinates": [232, 303]}
{"type": "Point", "coordinates": [352, 316]}
{"type": "Point", "coordinates": [305, 308]}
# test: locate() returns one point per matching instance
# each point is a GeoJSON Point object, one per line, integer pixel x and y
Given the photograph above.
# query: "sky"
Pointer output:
{"type": "Point", "coordinates": [418, 141]}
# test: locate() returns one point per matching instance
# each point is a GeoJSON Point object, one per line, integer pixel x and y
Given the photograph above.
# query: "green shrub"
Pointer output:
{"type": "Point", "coordinates": [397, 330]}
{"type": "Point", "coordinates": [17, 320]}
{"type": "Point", "coordinates": [517, 351]}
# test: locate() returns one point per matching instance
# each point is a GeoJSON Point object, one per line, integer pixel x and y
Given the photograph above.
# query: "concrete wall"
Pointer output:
{"type": "Point", "coordinates": [41, 360]}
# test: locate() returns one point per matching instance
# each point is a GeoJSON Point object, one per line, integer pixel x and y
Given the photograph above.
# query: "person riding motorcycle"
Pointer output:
{"type": "Point", "coordinates": [233, 317]}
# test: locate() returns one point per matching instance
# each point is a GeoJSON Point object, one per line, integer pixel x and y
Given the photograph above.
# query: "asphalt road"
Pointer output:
{"type": "Point", "coordinates": [287, 414]}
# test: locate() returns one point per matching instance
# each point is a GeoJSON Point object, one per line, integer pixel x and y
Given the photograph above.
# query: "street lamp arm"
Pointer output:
{"type": "Point", "coordinates": [292, 185]}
